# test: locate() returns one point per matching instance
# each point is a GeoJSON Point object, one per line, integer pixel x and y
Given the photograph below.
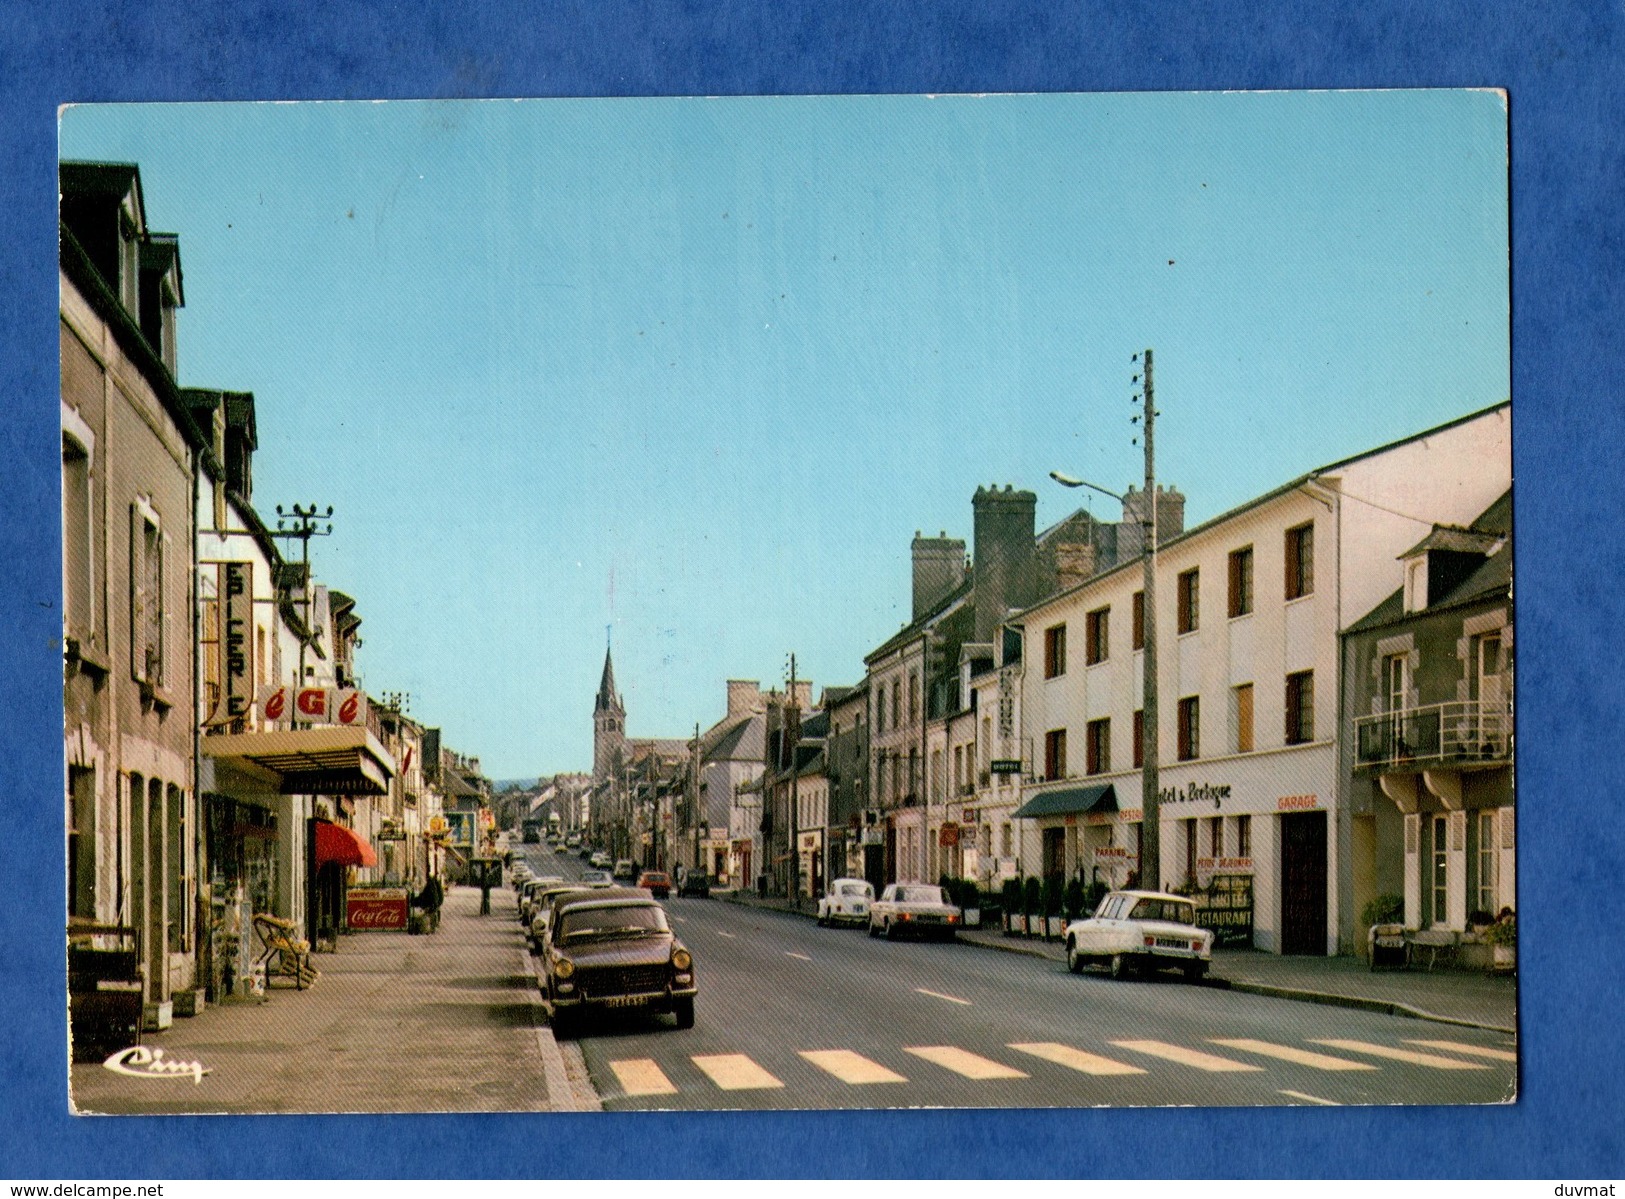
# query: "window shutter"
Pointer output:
{"type": "Point", "coordinates": [138, 599]}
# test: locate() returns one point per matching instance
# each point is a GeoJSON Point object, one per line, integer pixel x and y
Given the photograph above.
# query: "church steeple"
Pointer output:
{"type": "Point", "coordinates": [608, 725]}
{"type": "Point", "coordinates": [608, 700]}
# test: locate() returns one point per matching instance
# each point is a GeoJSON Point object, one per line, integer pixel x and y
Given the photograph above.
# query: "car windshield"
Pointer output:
{"type": "Point", "coordinates": [919, 895]}
{"type": "Point", "coordinates": [594, 876]}
{"type": "Point", "coordinates": [858, 889]}
{"type": "Point", "coordinates": [1164, 909]}
{"type": "Point", "coordinates": [634, 920]}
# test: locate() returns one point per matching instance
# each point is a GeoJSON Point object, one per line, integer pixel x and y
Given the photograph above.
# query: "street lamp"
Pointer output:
{"type": "Point", "coordinates": [1150, 827]}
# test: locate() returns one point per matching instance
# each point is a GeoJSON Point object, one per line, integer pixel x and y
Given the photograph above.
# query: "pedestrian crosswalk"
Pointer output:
{"type": "Point", "coordinates": [645, 1078]}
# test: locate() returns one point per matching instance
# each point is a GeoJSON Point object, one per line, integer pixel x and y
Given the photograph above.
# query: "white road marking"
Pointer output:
{"type": "Point", "coordinates": [850, 1067]}
{"type": "Point", "coordinates": [1430, 1060]}
{"type": "Point", "coordinates": [640, 1076]}
{"type": "Point", "coordinates": [720, 933]}
{"type": "Point", "coordinates": [940, 995]}
{"type": "Point", "coordinates": [735, 1072]}
{"type": "Point", "coordinates": [1500, 1055]}
{"type": "Point", "coordinates": [1287, 1053]}
{"type": "Point", "coordinates": [680, 919]}
{"type": "Point", "coordinates": [1189, 1057]}
{"type": "Point", "coordinates": [962, 1061]}
{"type": "Point", "coordinates": [802, 956]}
{"type": "Point", "coordinates": [1075, 1059]}
{"type": "Point", "coordinates": [1310, 1098]}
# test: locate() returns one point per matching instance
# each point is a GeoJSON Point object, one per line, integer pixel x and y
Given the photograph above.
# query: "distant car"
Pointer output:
{"type": "Point", "coordinates": [656, 883]}
{"type": "Point", "coordinates": [1141, 930]}
{"type": "Point", "coordinates": [695, 883]}
{"type": "Point", "coordinates": [625, 869]}
{"type": "Point", "coordinates": [519, 875]}
{"type": "Point", "coordinates": [846, 902]}
{"type": "Point", "coordinates": [913, 908]}
{"type": "Point", "coordinates": [596, 878]}
{"type": "Point", "coordinates": [600, 861]}
{"type": "Point", "coordinates": [614, 950]}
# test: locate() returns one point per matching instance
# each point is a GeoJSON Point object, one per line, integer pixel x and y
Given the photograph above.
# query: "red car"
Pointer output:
{"type": "Point", "coordinates": [656, 883]}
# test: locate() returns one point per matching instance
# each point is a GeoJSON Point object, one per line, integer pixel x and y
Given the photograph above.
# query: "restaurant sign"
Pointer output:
{"type": "Point", "coordinates": [376, 907]}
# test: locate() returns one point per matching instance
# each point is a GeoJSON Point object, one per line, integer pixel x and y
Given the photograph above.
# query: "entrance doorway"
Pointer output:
{"type": "Point", "coordinates": [1303, 883]}
{"type": "Point", "coordinates": [1054, 852]}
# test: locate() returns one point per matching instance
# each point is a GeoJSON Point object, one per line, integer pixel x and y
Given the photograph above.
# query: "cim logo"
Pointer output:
{"type": "Point", "coordinates": [315, 705]}
{"type": "Point", "coordinates": [140, 1062]}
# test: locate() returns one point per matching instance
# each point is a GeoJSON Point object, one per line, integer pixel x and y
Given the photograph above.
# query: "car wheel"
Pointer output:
{"type": "Point", "coordinates": [874, 931]}
{"type": "Point", "coordinates": [823, 920]}
{"type": "Point", "coordinates": [1194, 972]}
{"type": "Point", "coordinates": [684, 1011]}
{"type": "Point", "coordinates": [1074, 960]}
{"type": "Point", "coordinates": [1120, 966]}
{"type": "Point", "coordinates": [564, 1024]}
{"type": "Point", "coordinates": [891, 931]}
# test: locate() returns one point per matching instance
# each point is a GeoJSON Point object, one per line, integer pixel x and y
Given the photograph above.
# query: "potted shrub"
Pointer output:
{"type": "Point", "coordinates": [1032, 906]}
{"type": "Point", "coordinates": [970, 902]}
{"type": "Point", "coordinates": [1502, 938]}
{"type": "Point", "coordinates": [1073, 900]}
{"type": "Point", "coordinates": [1010, 901]}
{"type": "Point", "coordinates": [1051, 894]}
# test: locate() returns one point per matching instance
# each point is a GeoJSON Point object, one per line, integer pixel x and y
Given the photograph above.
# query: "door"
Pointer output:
{"type": "Point", "coordinates": [1303, 883]}
{"type": "Point", "coordinates": [1054, 852]}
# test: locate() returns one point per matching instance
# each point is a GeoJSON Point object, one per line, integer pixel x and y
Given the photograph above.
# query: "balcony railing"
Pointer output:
{"type": "Point", "coordinates": [1459, 733]}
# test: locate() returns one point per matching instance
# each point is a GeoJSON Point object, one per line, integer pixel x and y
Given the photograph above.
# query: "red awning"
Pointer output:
{"type": "Point", "coordinates": [335, 843]}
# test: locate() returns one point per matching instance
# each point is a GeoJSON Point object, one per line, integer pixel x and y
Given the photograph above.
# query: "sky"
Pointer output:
{"type": "Point", "coordinates": [690, 373]}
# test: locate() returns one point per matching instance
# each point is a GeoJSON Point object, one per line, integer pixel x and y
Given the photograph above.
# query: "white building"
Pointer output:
{"type": "Point", "coordinates": [1249, 610]}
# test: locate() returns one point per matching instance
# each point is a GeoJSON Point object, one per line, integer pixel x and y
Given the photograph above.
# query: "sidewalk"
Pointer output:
{"type": "Point", "coordinates": [396, 1023]}
{"type": "Point", "coordinates": [1450, 997]}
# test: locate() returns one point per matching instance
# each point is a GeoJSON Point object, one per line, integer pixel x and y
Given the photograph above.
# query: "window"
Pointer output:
{"type": "Point", "coordinates": [1190, 849]}
{"type": "Point", "coordinates": [1055, 754]}
{"type": "Point", "coordinates": [1244, 836]}
{"type": "Point", "coordinates": [1300, 707]}
{"type": "Point", "coordinates": [1139, 739]}
{"type": "Point", "coordinates": [1486, 862]}
{"type": "Point", "coordinates": [1054, 651]}
{"type": "Point", "coordinates": [1241, 704]}
{"type": "Point", "coordinates": [896, 705]}
{"type": "Point", "coordinates": [1098, 746]}
{"type": "Point", "coordinates": [1189, 591]}
{"type": "Point", "coordinates": [1241, 581]}
{"type": "Point", "coordinates": [1096, 635]}
{"type": "Point", "coordinates": [146, 596]}
{"type": "Point", "coordinates": [179, 873]}
{"type": "Point", "coordinates": [1190, 719]}
{"type": "Point", "coordinates": [1300, 561]}
{"type": "Point", "coordinates": [913, 698]}
{"type": "Point", "coordinates": [1137, 640]}
{"type": "Point", "coordinates": [1006, 841]}
{"type": "Point", "coordinates": [1440, 873]}
{"type": "Point", "coordinates": [1393, 682]}
{"type": "Point", "coordinates": [81, 842]}
{"type": "Point", "coordinates": [1215, 837]}
{"type": "Point", "coordinates": [77, 573]}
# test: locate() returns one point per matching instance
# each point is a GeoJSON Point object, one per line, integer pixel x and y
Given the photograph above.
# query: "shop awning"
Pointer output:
{"type": "Point", "coordinates": [327, 760]}
{"type": "Point", "coordinates": [1069, 801]}
{"type": "Point", "coordinates": [335, 843]}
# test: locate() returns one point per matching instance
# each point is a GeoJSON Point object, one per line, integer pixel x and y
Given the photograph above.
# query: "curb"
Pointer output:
{"type": "Point", "coordinates": [1386, 1007]}
{"type": "Point", "coordinates": [561, 1096]}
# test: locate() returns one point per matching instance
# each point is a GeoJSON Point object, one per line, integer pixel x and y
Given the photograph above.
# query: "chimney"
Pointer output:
{"type": "Point", "coordinates": [939, 567]}
{"type": "Point", "coordinates": [803, 695]}
{"type": "Point", "coordinates": [1074, 562]}
{"type": "Point", "coordinates": [1170, 520]}
{"type": "Point", "coordinates": [744, 697]}
{"type": "Point", "coordinates": [1005, 562]}
{"type": "Point", "coordinates": [1170, 513]}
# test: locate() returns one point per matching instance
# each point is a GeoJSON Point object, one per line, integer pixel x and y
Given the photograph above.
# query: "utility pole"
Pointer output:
{"type": "Point", "coordinates": [1150, 794]}
{"type": "Point", "coordinates": [792, 733]}
{"type": "Point", "coordinates": [694, 803]}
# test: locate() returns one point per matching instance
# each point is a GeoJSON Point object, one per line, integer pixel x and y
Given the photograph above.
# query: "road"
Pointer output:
{"type": "Point", "coordinates": [791, 1015]}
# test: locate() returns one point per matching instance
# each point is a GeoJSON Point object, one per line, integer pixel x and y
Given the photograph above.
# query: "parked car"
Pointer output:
{"type": "Point", "coordinates": [846, 902]}
{"type": "Point", "coordinates": [519, 876]}
{"type": "Point", "coordinates": [695, 883]}
{"type": "Point", "coordinates": [1141, 930]}
{"type": "Point", "coordinates": [656, 883]}
{"type": "Point", "coordinates": [541, 912]}
{"type": "Point", "coordinates": [917, 908]}
{"type": "Point", "coordinates": [625, 869]}
{"type": "Point", "coordinates": [596, 878]}
{"type": "Point", "coordinates": [614, 950]}
{"type": "Point", "coordinates": [600, 861]}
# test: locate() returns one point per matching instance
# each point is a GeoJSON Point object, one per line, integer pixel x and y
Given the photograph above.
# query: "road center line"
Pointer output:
{"type": "Point", "coordinates": [940, 995]}
{"type": "Point", "coordinates": [802, 956]}
{"type": "Point", "coordinates": [1310, 1098]}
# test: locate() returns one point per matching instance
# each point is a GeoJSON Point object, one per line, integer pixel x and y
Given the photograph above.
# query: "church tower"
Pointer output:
{"type": "Point", "coordinates": [608, 726]}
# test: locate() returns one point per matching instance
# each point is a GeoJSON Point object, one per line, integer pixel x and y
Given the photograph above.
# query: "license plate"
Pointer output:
{"type": "Point", "coordinates": [1172, 943]}
{"type": "Point", "coordinates": [626, 1001]}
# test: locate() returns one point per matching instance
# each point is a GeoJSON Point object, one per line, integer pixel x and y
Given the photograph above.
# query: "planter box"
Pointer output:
{"type": "Point", "coordinates": [1015, 925]}
{"type": "Point", "coordinates": [1055, 927]}
{"type": "Point", "coordinates": [973, 917]}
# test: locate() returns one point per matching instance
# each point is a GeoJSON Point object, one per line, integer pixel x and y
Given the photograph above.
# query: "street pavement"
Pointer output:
{"type": "Point", "coordinates": [396, 1023]}
{"type": "Point", "coordinates": [795, 1016]}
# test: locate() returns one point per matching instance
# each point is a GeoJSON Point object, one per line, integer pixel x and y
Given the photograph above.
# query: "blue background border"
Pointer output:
{"type": "Point", "coordinates": [1562, 66]}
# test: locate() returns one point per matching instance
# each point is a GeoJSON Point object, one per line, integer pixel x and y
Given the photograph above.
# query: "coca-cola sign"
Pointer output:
{"type": "Point", "coordinates": [376, 907]}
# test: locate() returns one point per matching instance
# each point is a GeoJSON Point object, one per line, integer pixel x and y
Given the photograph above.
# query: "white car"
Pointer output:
{"type": "Point", "coordinates": [1141, 930]}
{"type": "Point", "coordinates": [846, 902]}
{"type": "Point", "coordinates": [916, 908]}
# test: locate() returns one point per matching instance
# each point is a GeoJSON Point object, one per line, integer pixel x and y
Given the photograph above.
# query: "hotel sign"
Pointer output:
{"type": "Point", "coordinates": [1005, 766]}
{"type": "Point", "coordinates": [1195, 793]}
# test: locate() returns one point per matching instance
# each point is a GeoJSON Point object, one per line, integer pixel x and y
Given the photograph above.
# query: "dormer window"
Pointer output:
{"type": "Point", "coordinates": [1416, 584]}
